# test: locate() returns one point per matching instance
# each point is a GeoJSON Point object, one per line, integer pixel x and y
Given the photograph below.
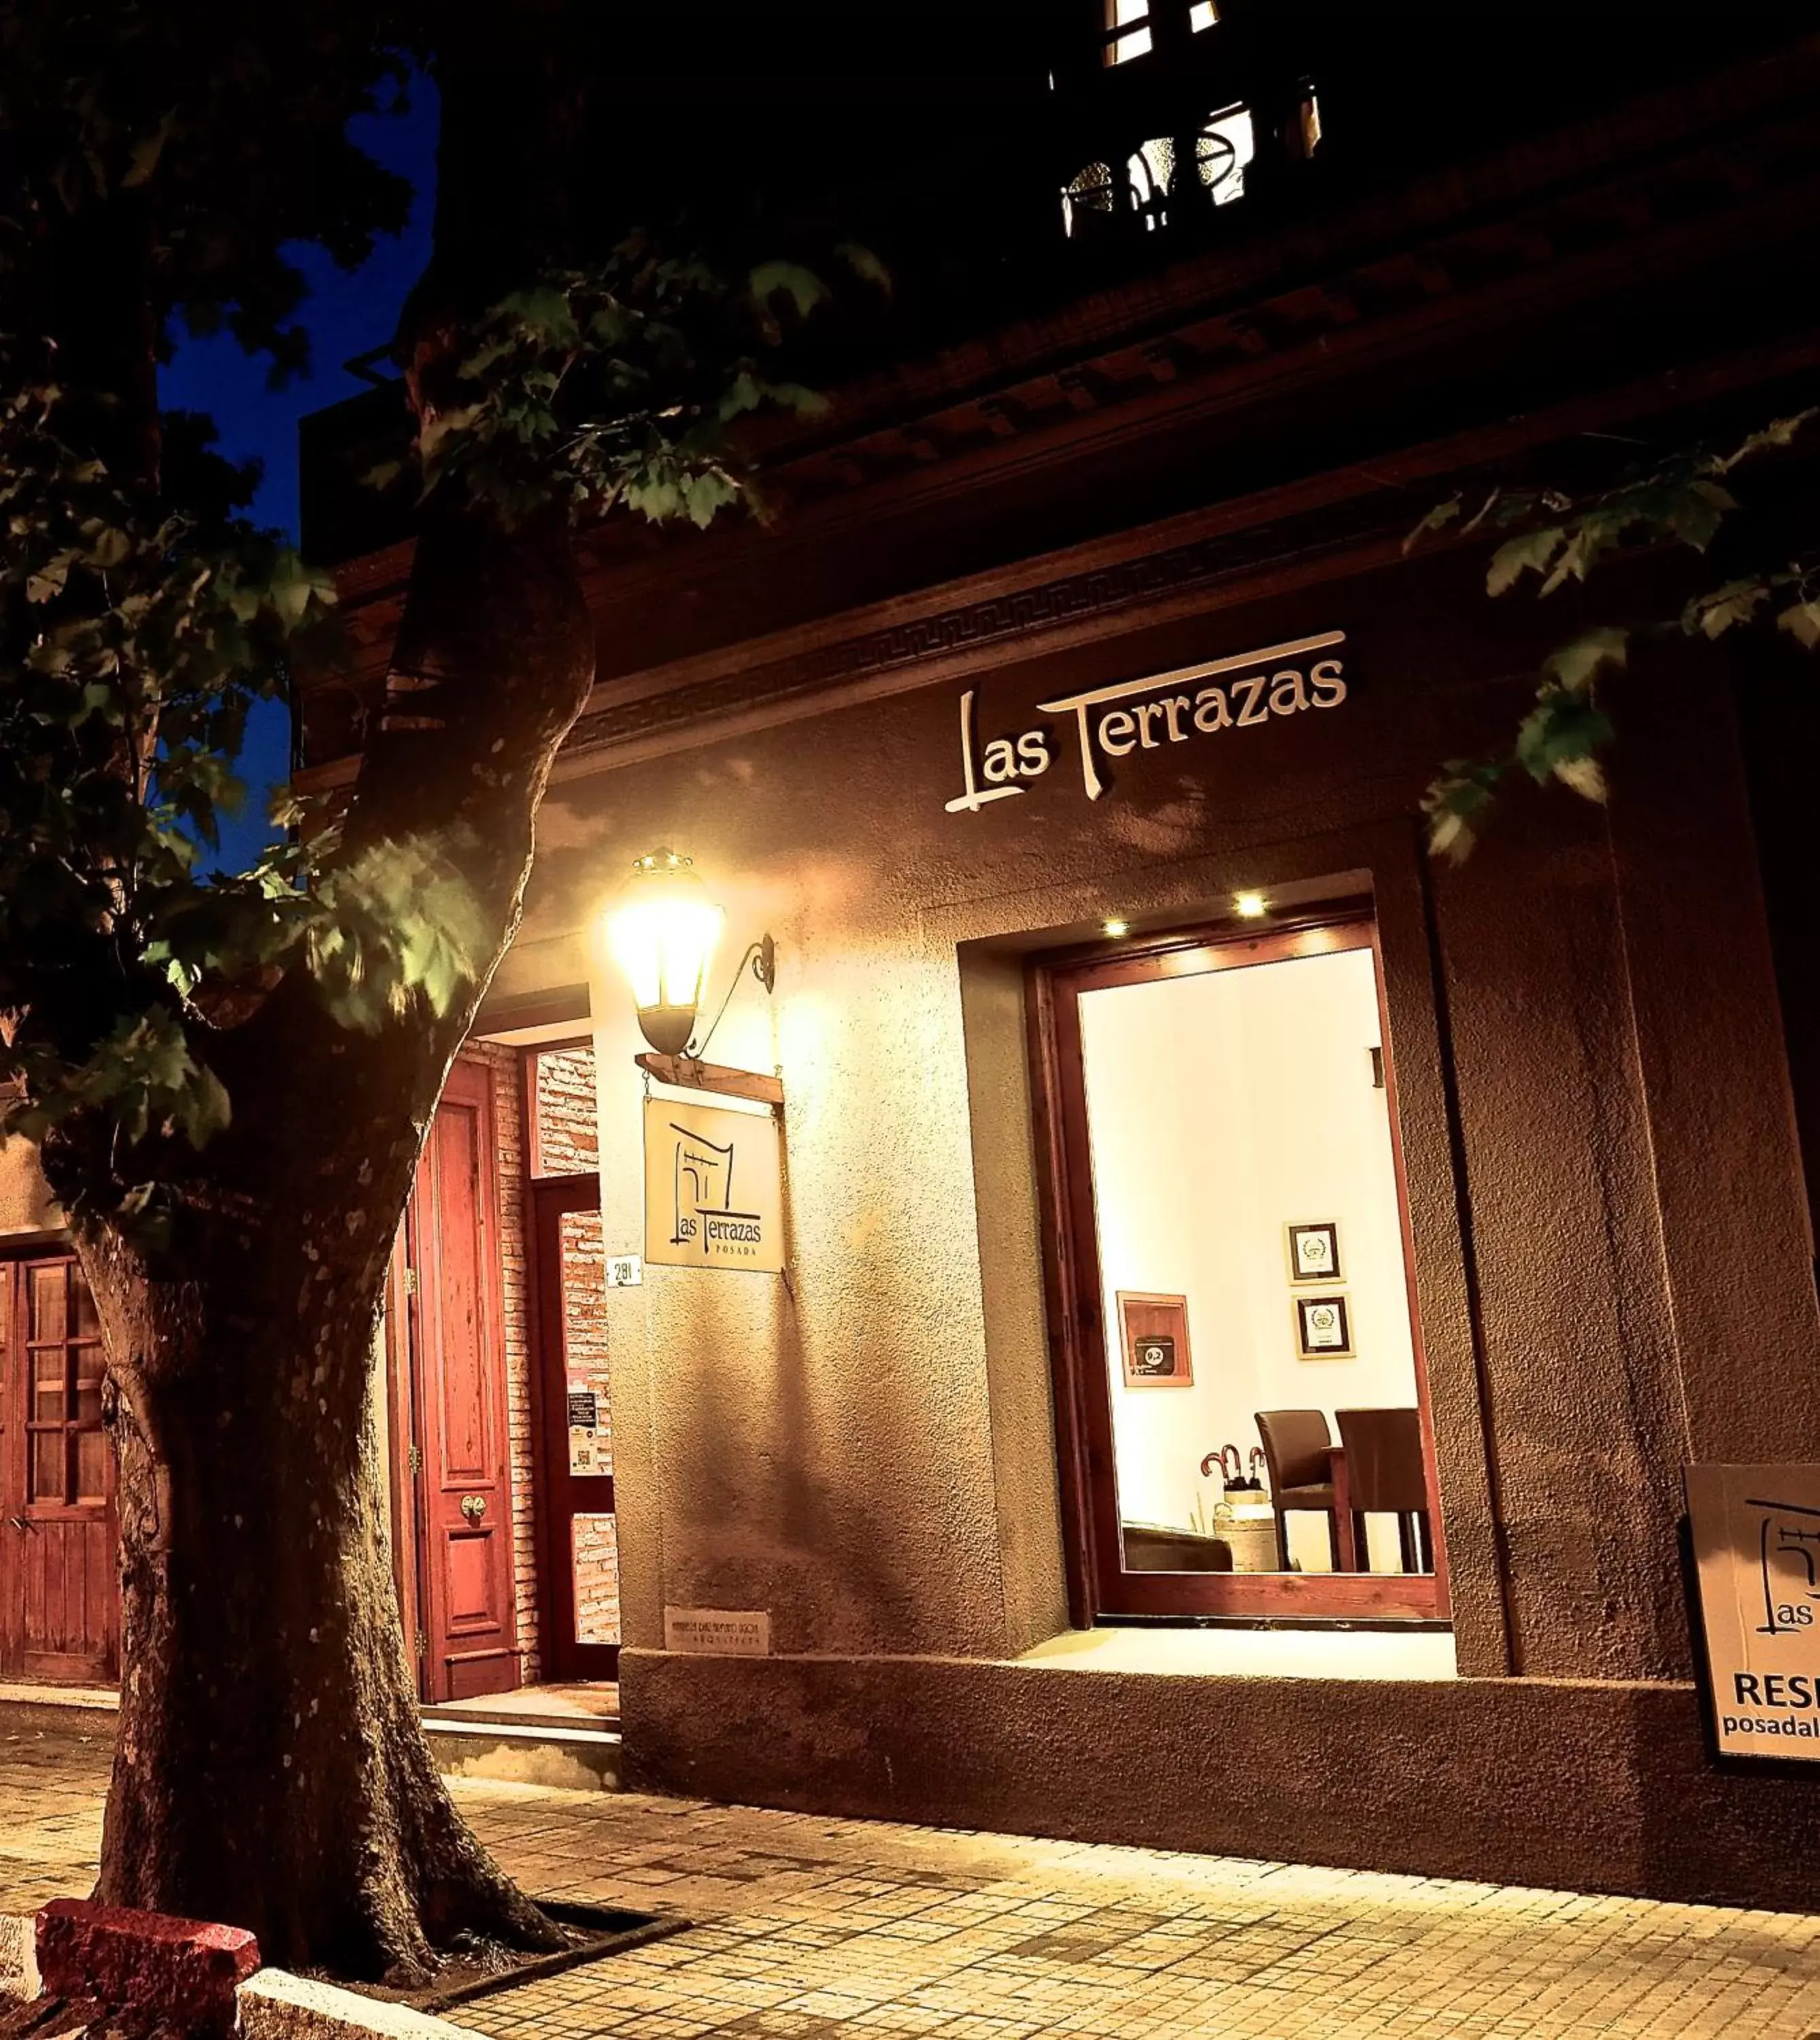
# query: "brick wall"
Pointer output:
{"type": "Point", "coordinates": [584, 1352]}
{"type": "Point", "coordinates": [568, 1144]}
{"type": "Point", "coordinates": [568, 1134]}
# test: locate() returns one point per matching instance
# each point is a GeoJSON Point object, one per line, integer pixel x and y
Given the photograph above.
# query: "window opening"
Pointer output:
{"type": "Point", "coordinates": [1256, 1437]}
{"type": "Point", "coordinates": [1127, 30]}
{"type": "Point", "coordinates": [1088, 202]}
{"type": "Point", "coordinates": [66, 1452]}
{"type": "Point", "coordinates": [1151, 170]}
{"type": "Point", "coordinates": [1226, 144]}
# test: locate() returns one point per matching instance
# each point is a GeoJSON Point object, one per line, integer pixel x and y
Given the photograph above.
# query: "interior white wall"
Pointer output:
{"type": "Point", "coordinates": [1220, 1107]}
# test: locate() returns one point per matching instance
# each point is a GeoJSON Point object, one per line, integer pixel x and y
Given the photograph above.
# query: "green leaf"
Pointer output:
{"type": "Point", "coordinates": [1712, 614]}
{"type": "Point", "coordinates": [1436, 520]}
{"type": "Point", "coordinates": [544, 309]}
{"type": "Point", "coordinates": [1559, 738]}
{"type": "Point", "coordinates": [805, 288]}
{"type": "Point", "coordinates": [1697, 511]}
{"type": "Point", "coordinates": [1574, 666]}
{"type": "Point", "coordinates": [144, 159]}
{"type": "Point", "coordinates": [1801, 621]}
{"type": "Point", "coordinates": [1530, 553]}
{"type": "Point", "coordinates": [1457, 800]}
{"type": "Point", "coordinates": [865, 265]}
{"type": "Point", "coordinates": [1778, 432]}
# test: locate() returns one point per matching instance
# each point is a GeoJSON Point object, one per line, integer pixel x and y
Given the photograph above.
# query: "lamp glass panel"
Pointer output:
{"type": "Point", "coordinates": [664, 947]}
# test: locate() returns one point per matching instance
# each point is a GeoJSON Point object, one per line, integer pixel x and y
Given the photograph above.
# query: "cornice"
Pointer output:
{"type": "Point", "coordinates": [1347, 520]}
{"type": "Point", "coordinates": [1734, 182]}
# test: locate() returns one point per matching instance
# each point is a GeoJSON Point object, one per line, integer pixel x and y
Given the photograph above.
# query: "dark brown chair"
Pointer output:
{"type": "Point", "coordinates": [1385, 1476]}
{"type": "Point", "coordinates": [1296, 1446]}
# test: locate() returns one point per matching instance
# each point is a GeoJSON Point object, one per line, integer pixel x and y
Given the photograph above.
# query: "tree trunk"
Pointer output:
{"type": "Point", "coordinates": [271, 1771]}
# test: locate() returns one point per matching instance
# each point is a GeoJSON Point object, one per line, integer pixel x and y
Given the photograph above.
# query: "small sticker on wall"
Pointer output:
{"type": "Point", "coordinates": [717, 1632]}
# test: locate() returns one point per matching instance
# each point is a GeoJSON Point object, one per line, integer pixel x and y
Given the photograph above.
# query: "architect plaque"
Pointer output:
{"type": "Point", "coordinates": [1756, 1558]}
{"type": "Point", "coordinates": [717, 1632]}
{"type": "Point", "coordinates": [713, 1188]}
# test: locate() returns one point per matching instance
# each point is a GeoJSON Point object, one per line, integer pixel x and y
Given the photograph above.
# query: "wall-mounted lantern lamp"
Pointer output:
{"type": "Point", "coordinates": [663, 931]}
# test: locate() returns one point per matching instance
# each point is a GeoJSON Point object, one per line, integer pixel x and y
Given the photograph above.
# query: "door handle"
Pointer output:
{"type": "Point", "coordinates": [19, 1523]}
{"type": "Point", "coordinates": [473, 1507]}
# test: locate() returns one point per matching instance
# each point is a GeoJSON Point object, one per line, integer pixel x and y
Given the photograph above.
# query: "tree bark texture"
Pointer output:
{"type": "Point", "coordinates": [271, 1771]}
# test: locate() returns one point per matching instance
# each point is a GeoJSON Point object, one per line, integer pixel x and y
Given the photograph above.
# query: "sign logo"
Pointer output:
{"type": "Point", "coordinates": [1154, 1357]}
{"type": "Point", "coordinates": [713, 1187]}
{"type": "Point", "coordinates": [1243, 692]}
{"type": "Point", "coordinates": [1756, 1555]}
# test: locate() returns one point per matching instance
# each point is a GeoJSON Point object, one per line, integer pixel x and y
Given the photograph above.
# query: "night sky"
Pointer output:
{"type": "Point", "coordinates": [345, 314]}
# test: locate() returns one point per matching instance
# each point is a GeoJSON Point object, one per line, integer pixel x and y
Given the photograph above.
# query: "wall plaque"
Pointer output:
{"type": "Point", "coordinates": [1153, 1335]}
{"type": "Point", "coordinates": [1756, 1559]}
{"type": "Point", "coordinates": [717, 1632]}
{"type": "Point", "coordinates": [713, 1188]}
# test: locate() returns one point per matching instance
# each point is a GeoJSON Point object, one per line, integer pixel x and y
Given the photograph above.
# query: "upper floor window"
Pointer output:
{"type": "Point", "coordinates": [1129, 25]}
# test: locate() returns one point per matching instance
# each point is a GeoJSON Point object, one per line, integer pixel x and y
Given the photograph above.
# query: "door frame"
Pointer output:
{"type": "Point", "coordinates": [1098, 1585]}
{"type": "Point", "coordinates": [549, 1201]}
{"type": "Point", "coordinates": [432, 1646]}
{"type": "Point", "coordinates": [15, 1398]}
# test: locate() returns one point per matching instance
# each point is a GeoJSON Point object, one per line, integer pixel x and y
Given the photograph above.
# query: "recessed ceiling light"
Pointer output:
{"type": "Point", "coordinates": [1249, 906]}
{"type": "Point", "coordinates": [1115, 929]}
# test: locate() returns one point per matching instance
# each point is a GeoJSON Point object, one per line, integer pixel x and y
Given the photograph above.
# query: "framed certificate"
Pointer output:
{"type": "Point", "coordinates": [1323, 1327]}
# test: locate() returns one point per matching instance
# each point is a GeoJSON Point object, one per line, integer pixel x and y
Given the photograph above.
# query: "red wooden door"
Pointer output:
{"type": "Point", "coordinates": [60, 1585]}
{"type": "Point", "coordinates": [454, 1441]}
{"type": "Point", "coordinates": [578, 1547]}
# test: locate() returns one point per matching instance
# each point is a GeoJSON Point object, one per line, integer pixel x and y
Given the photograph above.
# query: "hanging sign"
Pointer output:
{"type": "Point", "coordinates": [713, 1188]}
{"type": "Point", "coordinates": [1756, 1556]}
{"type": "Point", "coordinates": [1245, 691]}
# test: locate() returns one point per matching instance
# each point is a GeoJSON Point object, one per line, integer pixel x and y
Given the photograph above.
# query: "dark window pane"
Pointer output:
{"type": "Point", "coordinates": [48, 1380]}
{"type": "Point", "coordinates": [50, 1289]}
{"type": "Point", "coordinates": [48, 1466]}
{"type": "Point", "coordinates": [91, 1465]}
{"type": "Point", "coordinates": [84, 1322]}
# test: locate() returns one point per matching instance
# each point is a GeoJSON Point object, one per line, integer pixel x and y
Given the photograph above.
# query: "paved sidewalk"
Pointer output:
{"type": "Point", "coordinates": [811, 1927]}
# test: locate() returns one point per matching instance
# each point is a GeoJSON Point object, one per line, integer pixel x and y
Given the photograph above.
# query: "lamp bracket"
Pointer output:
{"type": "Point", "coordinates": [761, 955]}
{"type": "Point", "coordinates": [688, 1073]}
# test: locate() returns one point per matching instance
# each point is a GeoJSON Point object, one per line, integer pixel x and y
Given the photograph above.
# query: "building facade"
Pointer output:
{"type": "Point", "coordinates": [1148, 1089]}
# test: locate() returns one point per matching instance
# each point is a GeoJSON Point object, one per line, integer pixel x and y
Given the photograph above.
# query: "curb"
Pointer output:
{"type": "Point", "coordinates": [273, 2004]}
{"type": "Point", "coordinates": [18, 1955]}
{"type": "Point", "coordinates": [277, 2005]}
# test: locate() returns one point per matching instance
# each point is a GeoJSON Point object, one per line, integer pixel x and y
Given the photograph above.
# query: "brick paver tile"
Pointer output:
{"type": "Point", "coordinates": [807, 1929]}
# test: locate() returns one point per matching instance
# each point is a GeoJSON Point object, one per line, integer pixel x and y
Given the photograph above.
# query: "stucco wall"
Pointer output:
{"type": "Point", "coordinates": [1582, 1786]}
{"type": "Point", "coordinates": [26, 1205]}
{"type": "Point", "coordinates": [1612, 1258]}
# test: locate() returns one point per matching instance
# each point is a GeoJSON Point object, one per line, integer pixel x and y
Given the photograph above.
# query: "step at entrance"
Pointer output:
{"type": "Point", "coordinates": [539, 1735]}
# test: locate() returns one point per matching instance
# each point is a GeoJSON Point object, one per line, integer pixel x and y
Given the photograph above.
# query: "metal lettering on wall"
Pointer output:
{"type": "Point", "coordinates": [1243, 692]}
{"type": "Point", "coordinates": [713, 1188]}
{"type": "Point", "coordinates": [1756, 1555]}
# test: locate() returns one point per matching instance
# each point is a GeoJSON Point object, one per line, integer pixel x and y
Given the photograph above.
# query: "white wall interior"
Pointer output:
{"type": "Point", "coordinates": [1221, 1107]}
